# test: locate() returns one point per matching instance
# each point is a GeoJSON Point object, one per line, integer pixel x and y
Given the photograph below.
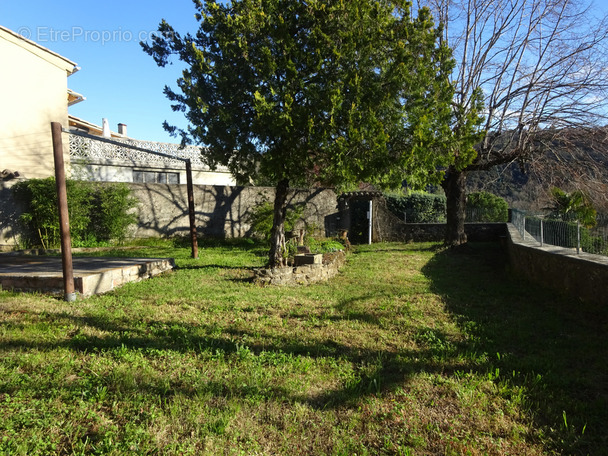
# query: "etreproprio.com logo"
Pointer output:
{"type": "Point", "coordinates": [45, 34]}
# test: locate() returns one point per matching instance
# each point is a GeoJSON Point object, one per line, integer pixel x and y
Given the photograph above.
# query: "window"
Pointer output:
{"type": "Point", "coordinates": [155, 177]}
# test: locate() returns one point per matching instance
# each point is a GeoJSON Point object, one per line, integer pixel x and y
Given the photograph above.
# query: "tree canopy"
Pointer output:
{"type": "Point", "coordinates": [316, 91]}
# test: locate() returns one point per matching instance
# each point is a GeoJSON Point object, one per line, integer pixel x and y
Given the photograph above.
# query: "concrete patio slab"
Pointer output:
{"type": "Point", "coordinates": [92, 275]}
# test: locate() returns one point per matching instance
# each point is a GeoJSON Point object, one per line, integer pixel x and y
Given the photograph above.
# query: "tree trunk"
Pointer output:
{"type": "Point", "coordinates": [454, 186]}
{"type": "Point", "coordinates": [277, 235]}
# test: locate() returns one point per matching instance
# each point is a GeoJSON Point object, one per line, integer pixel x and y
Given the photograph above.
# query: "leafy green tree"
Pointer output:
{"type": "Point", "coordinates": [573, 206]}
{"type": "Point", "coordinates": [318, 91]}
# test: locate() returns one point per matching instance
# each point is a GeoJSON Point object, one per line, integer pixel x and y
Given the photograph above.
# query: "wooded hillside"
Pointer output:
{"type": "Point", "coordinates": [579, 162]}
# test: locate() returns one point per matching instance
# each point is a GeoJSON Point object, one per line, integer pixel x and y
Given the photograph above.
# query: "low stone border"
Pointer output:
{"type": "Point", "coordinates": [304, 274]}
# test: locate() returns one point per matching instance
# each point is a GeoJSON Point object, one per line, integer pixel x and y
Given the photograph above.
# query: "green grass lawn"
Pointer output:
{"type": "Point", "coordinates": [411, 350]}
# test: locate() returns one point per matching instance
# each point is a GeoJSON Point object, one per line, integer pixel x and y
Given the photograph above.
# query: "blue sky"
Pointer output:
{"type": "Point", "coordinates": [119, 80]}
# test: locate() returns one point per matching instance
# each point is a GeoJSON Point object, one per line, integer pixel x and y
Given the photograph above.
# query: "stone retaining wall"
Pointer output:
{"type": "Point", "coordinates": [304, 274]}
{"type": "Point", "coordinates": [390, 228]}
{"type": "Point", "coordinates": [583, 276]}
{"type": "Point", "coordinates": [435, 232]}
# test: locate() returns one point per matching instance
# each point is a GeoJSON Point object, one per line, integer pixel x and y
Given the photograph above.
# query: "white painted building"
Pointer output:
{"type": "Point", "coordinates": [33, 92]}
{"type": "Point", "coordinates": [114, 157]}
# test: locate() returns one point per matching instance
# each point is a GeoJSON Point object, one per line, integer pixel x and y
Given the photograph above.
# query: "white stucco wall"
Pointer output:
{"type": "Point", "coordinates": [119, 171]}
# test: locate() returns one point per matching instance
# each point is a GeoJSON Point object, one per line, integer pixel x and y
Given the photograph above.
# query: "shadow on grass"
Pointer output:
{"type": "Point", "coordinates": [536, 342]}
{"type": "Point", "coordinates": [374, 371]}
{"type": "Point", "coordinates": [551, 347]}
{"type": "Point", "coordinates": [400, 247]}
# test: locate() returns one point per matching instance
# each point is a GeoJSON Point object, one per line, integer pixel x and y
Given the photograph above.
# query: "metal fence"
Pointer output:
{"type": "Point", "coordinates": [571, 235]}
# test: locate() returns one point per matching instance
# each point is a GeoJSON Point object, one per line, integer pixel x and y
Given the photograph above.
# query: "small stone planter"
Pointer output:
{"type": "Point", "coordinates": [308, 268]}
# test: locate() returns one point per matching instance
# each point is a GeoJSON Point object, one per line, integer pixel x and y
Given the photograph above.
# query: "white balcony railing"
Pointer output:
{"type": "Point", "coordinates": [91, 148]}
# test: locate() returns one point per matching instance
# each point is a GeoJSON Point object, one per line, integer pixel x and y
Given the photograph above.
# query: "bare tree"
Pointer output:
{"type": "Point", "coordinates": [577, 159]}
{"type": "Point", "coordinates": [540, 69]}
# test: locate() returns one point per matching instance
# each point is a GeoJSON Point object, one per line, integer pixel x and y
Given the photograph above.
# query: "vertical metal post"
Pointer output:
{"type": "Point", "coordinates": [191, 214]}
{"type": "Point", "coordinates": [578, 237]}
{"type": "Point", "coordinates": [541, 232]}
{"type": "Point", "coordinates": [64, 217]}
{"type": "Point", "coordinates": [369, 240]}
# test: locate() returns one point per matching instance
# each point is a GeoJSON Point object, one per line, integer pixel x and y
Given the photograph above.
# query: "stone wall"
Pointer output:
{"type": "Point", "coordinates": [9, 216]}
{"type": "Point", "coordinates": [435, 232]}
{"type": "Point", "coordinates": [583, 276]}
{"type": "Point", "coordinates": [303, 274]}
{"type": "Point", "coordinates": [389, 228]}
{"type": "Point", "coordinates": [220, 211]}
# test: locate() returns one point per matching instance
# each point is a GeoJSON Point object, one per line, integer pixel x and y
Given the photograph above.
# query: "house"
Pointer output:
{"type": "Point", "coordinates": [34, 92]}
{"type": "Point", "coordinates": [99, 154]}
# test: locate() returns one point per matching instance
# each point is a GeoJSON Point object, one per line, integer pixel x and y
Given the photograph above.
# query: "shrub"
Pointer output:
{"type": "Point", "coordinates": [111, 220]}
{"type": "Point", "coordinates": [41, 218]}
{"type": "Point", "coordinates": [418, 207]}
{"type": "Point", "coordinates": [486, 207]}
{"type": "Point", "coordinates": [98, 213]}
{"type": "Point", "coordinates": [594, 244]}
{"type": "Point", "coordinates": [324, 245]}
{"type": "Point", "coordinates": [260, 217]}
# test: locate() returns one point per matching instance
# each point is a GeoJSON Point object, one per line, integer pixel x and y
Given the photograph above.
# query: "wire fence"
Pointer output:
{"type": "Point", "coordinates": [571, 235]}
